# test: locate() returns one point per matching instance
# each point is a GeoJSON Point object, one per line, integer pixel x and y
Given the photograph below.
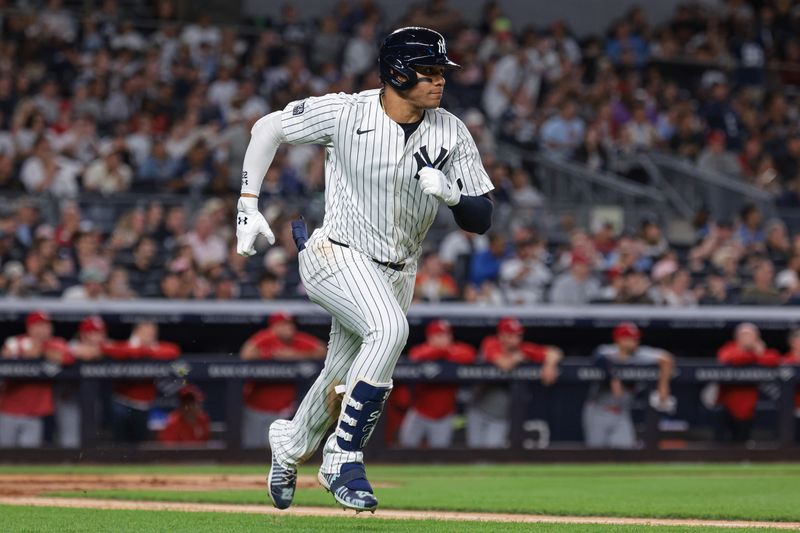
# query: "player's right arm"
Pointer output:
{"type": "Point", "coordinates": [310, 121]}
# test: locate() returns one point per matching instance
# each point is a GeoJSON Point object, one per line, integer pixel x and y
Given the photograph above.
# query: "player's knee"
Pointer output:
{"type": "Point", "coordinates": [399, 332]}
{"type": "Point", "coordinates": [393, 334]}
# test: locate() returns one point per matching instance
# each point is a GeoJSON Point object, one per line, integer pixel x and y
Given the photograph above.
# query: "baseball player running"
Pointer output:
{"type": "Point", "coordinates": [392, 156]}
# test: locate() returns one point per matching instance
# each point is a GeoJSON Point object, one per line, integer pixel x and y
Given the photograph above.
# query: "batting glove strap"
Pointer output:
{"type": "Point", "coordinates": [361, 409]}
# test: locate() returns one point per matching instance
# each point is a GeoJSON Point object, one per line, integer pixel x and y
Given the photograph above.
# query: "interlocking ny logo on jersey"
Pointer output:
{"type": "Point", "coordinates": [424, 160]}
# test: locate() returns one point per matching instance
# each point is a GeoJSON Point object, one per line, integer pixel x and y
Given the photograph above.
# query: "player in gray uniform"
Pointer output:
{"type": "Point", "coordinates": [392, 157]}
{"type": "Point", "coordinates": [607, 421]}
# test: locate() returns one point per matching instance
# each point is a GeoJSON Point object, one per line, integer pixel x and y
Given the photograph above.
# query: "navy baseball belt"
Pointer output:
{"type": "Point", "coordinates": [394, 266]}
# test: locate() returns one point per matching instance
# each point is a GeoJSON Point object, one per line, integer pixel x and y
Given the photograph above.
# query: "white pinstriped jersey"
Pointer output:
{"type": "Point", "coordinates": [373, 201]}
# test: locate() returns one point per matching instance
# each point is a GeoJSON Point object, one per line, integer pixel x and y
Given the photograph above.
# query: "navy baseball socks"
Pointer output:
{"type": "Point", "coordinates": [342, 472]}
{"type": "Point", "coordinates": [282, 480]}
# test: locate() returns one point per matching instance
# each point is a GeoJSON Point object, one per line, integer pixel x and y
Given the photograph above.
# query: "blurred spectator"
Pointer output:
{"type": "Point", "coordinates": [524, 277]}
{"type": "Point", "coordinates": [433, 284]}
{"type": "Point", "coordinates": [776, 243]}
{"type": "Point", "coordinates": [131, 399]}
{"type": "Point", "coordinates": [787, 157]}
{"type": "Point", "coordinates": [626, 48]}
{"type": "Point", "coordinates": [188, 423]}
{"type": "Point", "coordinates": [430, 419]}
{"type": "Point", "coordinates": [25, 403]}
{"type": "Point", "coordinates": [518, 72]}
{"type": "Point", "coordinates": [607, 420]}
{"type": "Point", "coordinates": [716, 158]}
{"type": "Point", "coordinates": [69, 224]}
{"type": "Point", "coordinates": [270, 286]}
{"type": "Point", "coordinates": [108, 175]}
{"type": "Point", "coordinates": [485, 265]}
{"type": "Point", "coordinates": [47, 172]}
{"type": "Point", "coordinates": [326, 44]}
{"type": "Point", "coordinates": [145, 272]}
{"type": "Point", "coordinates": [635, 288]}
{"type": "Point", "coordinates": [118, 285]}
{"type": "Point", "coordinates": [266, 402]}
{"type": "Point", "coordinates": [750, 233]}
{"type": "Point", "coordinates": [715, 291]}
{"type": "Point", "coordinates": [488, 414]}
{"type": "Point", "coordinates": [762, 291]}
{"type": "Point", "coordinates": [739, 401]}
{"type": "Point", "coordinates": [563, 133]}
{"type": "Point", "coordinates": [687, 140]}
{"type": "Point", "coordinates": [653, 242]}
{"type": "Point", "coordinates": [456, 249]}
{"type": "Point", "coordinates": [360, 51]}
{"type": "Point", "coordinates": [92, 285]}
{"type": "Point", "coordinates": [721, 117]}
{"type": "Point", "coordinates": [207, 247]}
{"type": "Point", "coordinates": [577, 286]}
{"type": "Point", "coordinates": [592, 153]}
{"type": "Point", "coordinates": [641, 134]}
{"type": "Point", "coordinates": [157, 169]}
{"type": "Point", "coordinates": [679, 291]}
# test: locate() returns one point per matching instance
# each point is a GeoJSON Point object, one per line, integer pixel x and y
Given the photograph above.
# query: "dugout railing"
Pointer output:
{"type": "Point", "coordinates": [232, 373]}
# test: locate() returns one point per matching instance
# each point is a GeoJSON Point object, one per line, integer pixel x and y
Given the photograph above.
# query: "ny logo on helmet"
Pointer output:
{"type": "Point", "coordinates": [424, 160]}
{"type": "Point", "coordinates": [441, 47]}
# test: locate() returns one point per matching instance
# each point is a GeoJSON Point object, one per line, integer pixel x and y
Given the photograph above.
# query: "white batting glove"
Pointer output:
{"type": "Point", "coordinates": [250, 223]}
{"type": "Point", "coordinates": [434, 182]}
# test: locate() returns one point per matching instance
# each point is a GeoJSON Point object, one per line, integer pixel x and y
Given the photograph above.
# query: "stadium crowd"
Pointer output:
{"type": "Point", "coordinates": [98, 110]}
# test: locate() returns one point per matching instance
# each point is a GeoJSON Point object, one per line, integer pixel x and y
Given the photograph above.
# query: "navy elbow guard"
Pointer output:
{"type": "Point", "coordinates": [474, 213]}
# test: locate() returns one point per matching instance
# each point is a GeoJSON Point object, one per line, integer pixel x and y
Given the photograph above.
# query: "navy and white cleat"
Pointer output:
{"type": "Point", "coordinates": [281, 483]}
{"type": "Point", "coordinates": [350, 488]}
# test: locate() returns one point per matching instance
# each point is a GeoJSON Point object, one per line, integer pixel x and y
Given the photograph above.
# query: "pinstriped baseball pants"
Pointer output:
{"type": "Point", "coordinates": [369, 330]}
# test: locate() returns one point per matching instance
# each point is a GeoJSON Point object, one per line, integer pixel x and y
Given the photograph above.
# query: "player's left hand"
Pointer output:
{"type": "Point", "coordinates": [549, 374]}
{"type": "Point", "coordinates": [434, 182]}
{"type": "Point", "coordinates": [663, 404]}
{"type": "Point", "coordinates": [250, 223]}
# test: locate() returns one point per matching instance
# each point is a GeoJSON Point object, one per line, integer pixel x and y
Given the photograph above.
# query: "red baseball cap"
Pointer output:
{"type": "Point", "coordinates": [626, 330]}
{"type": "Point", "coordinates": [509, 325]}
{"type": "Point", "coordinates": [280, 317]}
{"type": "Point", "coordinates": [437, 326]}
{"type": "Point", "coordinates": [91, 324]}
{"type": "Point", "coordinates": [36, 317]}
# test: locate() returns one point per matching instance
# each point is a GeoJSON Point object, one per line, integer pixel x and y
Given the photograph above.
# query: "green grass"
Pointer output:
{"type": "Point", "coordinates": [57, 520]}
{"type": "Point", "coordinates": [745, 492]}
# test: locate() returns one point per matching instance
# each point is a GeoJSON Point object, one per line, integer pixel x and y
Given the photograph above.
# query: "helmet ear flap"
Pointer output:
{"type": "Point", "coordinates": [391, 67]}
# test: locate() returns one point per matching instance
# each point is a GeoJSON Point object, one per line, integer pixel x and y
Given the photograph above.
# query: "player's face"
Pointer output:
{"type": "Point", "coordinates": [628, 344]}
{"type": "Point", "coordinates": [95, 338]}
{"type": "Point", "coordinates": [427, 93]}
{"type": "Point", "coordinates": [440, 340]}
{"type": "Point", "coordinates": [285, 330]}
{"type": "Point", "coordinates": [510, 341]}
{"type": "Point", "coordinates": [41, 331]}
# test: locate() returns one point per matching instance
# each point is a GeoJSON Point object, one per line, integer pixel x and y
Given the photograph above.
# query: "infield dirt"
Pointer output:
{"type": "Point", "coordinates": [26, 490]}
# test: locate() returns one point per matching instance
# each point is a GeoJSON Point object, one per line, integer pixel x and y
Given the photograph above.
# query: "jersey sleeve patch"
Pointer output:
{"type": "Point", "coordinates": [299, 108]}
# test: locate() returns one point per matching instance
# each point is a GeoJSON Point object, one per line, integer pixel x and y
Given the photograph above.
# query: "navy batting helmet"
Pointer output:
{"type": "Point", "coordinates": [409, 47]}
